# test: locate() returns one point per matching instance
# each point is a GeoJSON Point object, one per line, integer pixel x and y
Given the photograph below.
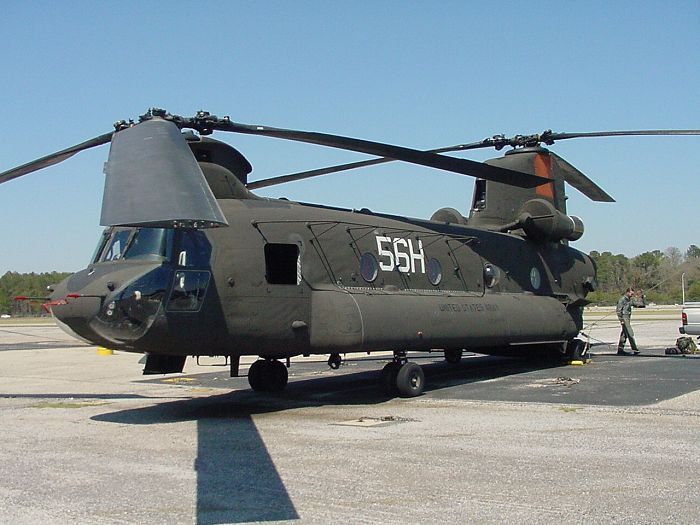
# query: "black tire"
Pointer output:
{"type": "Point", "coordinates": [389, 373]}
{"type": "Point", "coordinates": [410, 380]}
{"type": "Point", "coordinates": [334, 361]}
{"type": "Point", "coordinates": [277, 376]}
{"type": "Point", "coordinates": [256, 375]}
{"type": "Point", "coordinates": [453, 355]}
{"type": "Point", "coordinates": [577, 350]}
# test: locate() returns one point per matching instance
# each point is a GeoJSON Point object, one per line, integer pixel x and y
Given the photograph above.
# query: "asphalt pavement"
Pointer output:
{"type": "Point", "coordinates": [87, 439]}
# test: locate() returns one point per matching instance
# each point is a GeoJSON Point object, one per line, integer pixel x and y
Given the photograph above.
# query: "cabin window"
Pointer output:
{"type": "Point", "coordinates": [434, 272]}
{"type": "Point", "coordinates": [491, 275]}
{"type": "Point", "coordinates": [369, 269]}
{"type": "Point", "coordinates": [282, 264]}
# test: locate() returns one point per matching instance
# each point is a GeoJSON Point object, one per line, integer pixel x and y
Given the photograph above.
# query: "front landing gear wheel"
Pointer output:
{"type": "Point", "coordinates": [410, 380]}
{"type": "Point", "coordinates": [268, 375]}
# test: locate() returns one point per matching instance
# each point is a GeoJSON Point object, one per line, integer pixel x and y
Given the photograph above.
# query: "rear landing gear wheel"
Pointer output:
{"type": "Point", "coordinates": [389, 373]}
{"type": "Point", "coordinates": [453, 355]}
{"type": "Point", "coordinates": [278, 376]}
{"type": "Point", "coordinates": [577, 350]}
{"type": "Point", "coordinates": [268, 375]}
{"type": "Point", "coordinates": [255, 375]}
{"type": "Point", "coordinates": [410, 380]}
{"type": "Point", "coordinates": [334, 361]}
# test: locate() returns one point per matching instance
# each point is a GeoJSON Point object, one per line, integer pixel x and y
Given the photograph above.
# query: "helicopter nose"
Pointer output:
{"type": "Point", "coordinates": [111, 307]}
{"type": "Point", "coordinates": [73, 312]}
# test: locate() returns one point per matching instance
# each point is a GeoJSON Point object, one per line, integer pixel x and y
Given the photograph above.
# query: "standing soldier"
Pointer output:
{"type": "Point", "coordinates": [624, 313]}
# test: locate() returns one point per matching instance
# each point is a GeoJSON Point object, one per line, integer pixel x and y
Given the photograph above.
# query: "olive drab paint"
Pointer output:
{"type": "Point", "coordinates": [207, 268]}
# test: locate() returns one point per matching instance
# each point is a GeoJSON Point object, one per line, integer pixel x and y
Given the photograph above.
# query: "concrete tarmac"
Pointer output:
{"type": "Point", "coordinates": [87, 439]}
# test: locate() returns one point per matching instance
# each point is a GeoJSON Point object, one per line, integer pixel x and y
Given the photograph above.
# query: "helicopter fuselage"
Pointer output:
{"type": "Point", "coordinates": [287, 279]}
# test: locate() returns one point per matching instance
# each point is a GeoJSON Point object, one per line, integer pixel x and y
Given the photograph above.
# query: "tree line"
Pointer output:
{"type": "Point", "coordinates": [657, 273]}
{"type": "Point", "coordinates": [14, 284]}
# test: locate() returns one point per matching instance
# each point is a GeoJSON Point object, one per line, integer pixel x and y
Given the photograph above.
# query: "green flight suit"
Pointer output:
{"type": "Point", "coordinates": [624, 314]}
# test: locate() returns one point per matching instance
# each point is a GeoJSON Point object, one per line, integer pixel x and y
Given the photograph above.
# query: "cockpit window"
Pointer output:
{"type": "Point", "coordinates": [135, 244]}
{"type": "Point", "coordinates": [114, 249]}
{"type": "Point", "coordinates": [194, 249]}
{"type": "Point", "coordinates": [150, 242]}
{"type": "Point", "coordinates": [100, 245]}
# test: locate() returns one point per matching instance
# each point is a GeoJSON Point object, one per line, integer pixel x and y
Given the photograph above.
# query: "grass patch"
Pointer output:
{"type": "Point", "coordinates": [69, 404]}
{"type": "Point", "coordinates": [15, 321]}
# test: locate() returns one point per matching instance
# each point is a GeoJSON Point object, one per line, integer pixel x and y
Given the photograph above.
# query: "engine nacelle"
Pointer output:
{"type": "Point", "coordinates": [541, 221]}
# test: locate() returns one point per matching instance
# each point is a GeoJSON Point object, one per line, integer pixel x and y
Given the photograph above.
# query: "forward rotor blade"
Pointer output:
{"type": "Point", "coordinates": [54, 158]}
{"type": "Point", "coordinates": [152, 179]}
{"type": "Point", "coordinates": [579, 181]}
{"type": "Point", "coordinates": [461, 166]}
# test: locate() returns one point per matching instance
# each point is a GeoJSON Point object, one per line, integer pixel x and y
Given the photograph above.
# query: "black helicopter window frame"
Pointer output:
{"type": "Point", "coordinates": [282, 264]}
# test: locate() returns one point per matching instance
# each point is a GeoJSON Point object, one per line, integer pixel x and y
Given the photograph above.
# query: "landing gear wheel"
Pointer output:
{"type": "Point", "coordinates": [268, 376]}
{"type": "Point", "coordinates": [453, 355]}
{"type": "Point", "coordinates": [277, 376]}
{"type": "Point", "coordinates": [410, 380]}
{"type": "Point", "coordinates": [334, 361]}
{"type": "Point", "coordinates": [389, 373]}
{"type": "Point", "coordinates": [577, 350]}
{"type": "Point", "coordinates": [256, 374]}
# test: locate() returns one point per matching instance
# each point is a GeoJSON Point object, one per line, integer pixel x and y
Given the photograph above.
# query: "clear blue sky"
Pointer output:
{"type": "Point", "coordinates": [419, 74]}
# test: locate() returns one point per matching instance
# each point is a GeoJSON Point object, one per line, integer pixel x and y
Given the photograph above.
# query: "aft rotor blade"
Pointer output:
{"type": "Point", "coordinates": [461, 166]}
{"type": "Point", "coordinates": [629, 133]}
{"type": "Point", "coordinates": [54, 158]}
{"type": "Point", "coordinates": [273, 181]}
{"type": "Point", "coordinates": [579, 181]}
{"type": "Point", "coordinates": [549, 137]}
{"type": "Point", "coordinates": [152, 179]}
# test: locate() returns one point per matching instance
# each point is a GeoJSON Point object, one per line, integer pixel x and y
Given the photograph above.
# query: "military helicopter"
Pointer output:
{"type": "Point", "coordinates": [193, 263]}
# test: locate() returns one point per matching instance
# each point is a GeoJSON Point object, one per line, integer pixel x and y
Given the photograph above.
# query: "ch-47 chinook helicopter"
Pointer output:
{"type": "Point", "coordinates": [192, 263]}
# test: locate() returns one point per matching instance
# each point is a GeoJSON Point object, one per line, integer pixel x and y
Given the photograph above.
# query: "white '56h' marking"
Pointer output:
{"type": "Point", "coordinates": [398, 253]}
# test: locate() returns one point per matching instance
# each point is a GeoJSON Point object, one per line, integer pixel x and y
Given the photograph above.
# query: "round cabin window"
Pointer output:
{"type": "Point", "coordinates": [434, 272]}
{"type": "Point", "coordinates": [491, 275]}
{"type": "Point", "coordinates": [535, 278]}
{"type": "Point", "coordinates": [369, 269]}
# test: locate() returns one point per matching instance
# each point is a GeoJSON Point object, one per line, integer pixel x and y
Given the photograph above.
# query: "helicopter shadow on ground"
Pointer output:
{"type": "Point", "coordinates": [365, 386]}
{"type": "Point", "coordinates": [237, 480]}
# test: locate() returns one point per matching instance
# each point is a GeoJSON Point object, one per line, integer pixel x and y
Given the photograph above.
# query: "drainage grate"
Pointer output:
{"type": "Point", "coordinates": [375, 421]}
